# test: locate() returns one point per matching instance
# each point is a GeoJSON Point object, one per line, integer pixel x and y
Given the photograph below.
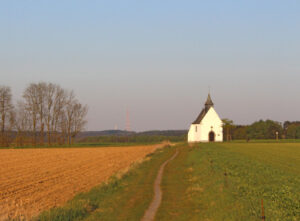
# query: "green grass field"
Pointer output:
{"type": "Point", "coordinates": [217, 181]}
{"type": "Point", "coordinates": [145, 141]}
{"type": "Point", "coordinates": [267, 141]}
{"type": "Point", "coordinates": [228, 181]}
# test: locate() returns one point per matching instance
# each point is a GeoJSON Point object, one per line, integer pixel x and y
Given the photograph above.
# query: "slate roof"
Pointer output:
{"type": "Point", "coordinates": [208, 105]}
{"type": "Point", "coordinates": [200, 117]}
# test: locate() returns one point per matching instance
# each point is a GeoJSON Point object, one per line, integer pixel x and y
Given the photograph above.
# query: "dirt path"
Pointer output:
{"type": "Point", "coordinates": [151, 211]}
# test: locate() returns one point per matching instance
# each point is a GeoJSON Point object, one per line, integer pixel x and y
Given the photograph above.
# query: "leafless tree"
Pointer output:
{"type": "Point", "coordinates": [23, 124]}
{"type": "Point", "coordinates": [49, 96]}
{"type": "Point", "coordinates": [31, 106]}
{"type": "Point", "coordinates": [54, 112]}
{"type": "Point", "coordinates": [7, 114]}
{"type": "Point", "coordinates": [80, 112]}
{"type": "Point", "coordinates": [75, 116]}
{"type": "Point", "coordinates": [42, 88]}
{"type": "Point", "coordinates": [69, 114]}
{"type": "Point", "coordinates": [58, 118]}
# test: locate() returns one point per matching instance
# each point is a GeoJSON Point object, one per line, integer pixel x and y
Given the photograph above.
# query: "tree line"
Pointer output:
{"type": "Point", "coordinates": [136, 138]}
{"type": "Point", "coordinates": [46, 114]}
{"type": "Point", "coordinates": [261, 129]}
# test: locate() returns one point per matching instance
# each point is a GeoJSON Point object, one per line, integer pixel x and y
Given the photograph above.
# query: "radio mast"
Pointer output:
{"type": "Point", "coordinates": [127, 126]}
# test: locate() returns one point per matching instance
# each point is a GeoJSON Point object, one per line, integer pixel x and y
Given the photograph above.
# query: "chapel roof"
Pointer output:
{"type": "Point", "coordinates": [200, 117]}
{"type": "Point", "coordinates": [208, 105]}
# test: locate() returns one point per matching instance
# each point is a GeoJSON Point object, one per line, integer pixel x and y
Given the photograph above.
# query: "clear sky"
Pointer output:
{"type": "Point", "coordinates": [158, 58]}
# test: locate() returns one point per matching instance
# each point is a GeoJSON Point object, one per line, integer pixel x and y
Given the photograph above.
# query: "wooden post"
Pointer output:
{"type": "Point", "coordinates": [262, 210]}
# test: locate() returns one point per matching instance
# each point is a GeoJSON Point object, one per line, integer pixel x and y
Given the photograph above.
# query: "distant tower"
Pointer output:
{"type": "Point", "coordinates": [127, 126]}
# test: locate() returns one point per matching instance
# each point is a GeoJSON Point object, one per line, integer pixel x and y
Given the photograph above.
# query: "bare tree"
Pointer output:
{"type": "Point", "coordinates": [79, 121]}
{"type": "Point", "coordinates": [69, 113]}
{"type": "Point", "coordinates": [41, 93]}
{"type": "Point", "coordinates": [75, 117]}
{"type": "Point", "coordinates": [55, 101]}
{"type": "Point", "coordinates": [6, 113]}
{"type": "Point", "coordinates": [23, 124]}
{"type": "Point", "coordinates": [54, 111]}
{"type": "Point", "coordinates": [31, 105]}
{"type": "Point", "coordinates": [62, 128]}
{"type": "Point", "coordinates": [50, 91]}
{"type": "Point", "coordinates": [58, 124]}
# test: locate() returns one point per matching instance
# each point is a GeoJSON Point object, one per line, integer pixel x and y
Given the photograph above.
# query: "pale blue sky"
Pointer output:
{"type": "Point", "coordinates": [158, 58]}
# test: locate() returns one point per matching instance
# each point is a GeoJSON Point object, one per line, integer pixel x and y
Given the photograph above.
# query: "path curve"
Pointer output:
{"type": "Point", "coordinates": [151, 211]}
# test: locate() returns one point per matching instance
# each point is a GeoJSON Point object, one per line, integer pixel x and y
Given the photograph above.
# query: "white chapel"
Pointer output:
{"type": "Point", "coordinates": [208, 126]}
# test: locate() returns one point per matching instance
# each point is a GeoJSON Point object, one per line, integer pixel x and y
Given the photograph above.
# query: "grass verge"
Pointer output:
{"type": "Point", "coordinates": [122, 198]}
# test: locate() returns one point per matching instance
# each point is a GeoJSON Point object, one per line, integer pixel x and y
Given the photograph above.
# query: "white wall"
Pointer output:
{"type": "Point", "coordinates": [211, 122]}
{"type": "Point", "coordinates": [194, 136]}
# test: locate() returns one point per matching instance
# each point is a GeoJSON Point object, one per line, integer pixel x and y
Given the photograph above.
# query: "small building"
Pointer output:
{"type": "Point", "coordinates": [208, 127]}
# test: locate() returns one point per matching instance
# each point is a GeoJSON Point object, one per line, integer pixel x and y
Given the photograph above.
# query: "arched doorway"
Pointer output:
{"type": "Point", "coordinates": [211, 136]}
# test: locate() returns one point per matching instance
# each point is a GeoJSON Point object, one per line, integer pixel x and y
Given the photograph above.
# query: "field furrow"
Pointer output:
{"type": "Point", "coordinates": [32, 180]}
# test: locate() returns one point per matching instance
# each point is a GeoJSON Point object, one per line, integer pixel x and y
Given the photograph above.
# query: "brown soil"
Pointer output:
{"type": "Point", "coordinates": [32, 180]}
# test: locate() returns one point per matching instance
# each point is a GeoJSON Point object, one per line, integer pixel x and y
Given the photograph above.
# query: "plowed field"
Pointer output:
{"type": "Point", "coordinates": [32, 180]}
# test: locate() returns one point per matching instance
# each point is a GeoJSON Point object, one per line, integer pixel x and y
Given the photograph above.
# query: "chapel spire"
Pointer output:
{"type": "Point", "coordinates": [208, 103]}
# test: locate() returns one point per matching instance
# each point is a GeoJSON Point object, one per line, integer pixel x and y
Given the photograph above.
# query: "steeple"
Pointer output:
{"type": "Point", "coordinates": [208, 103]}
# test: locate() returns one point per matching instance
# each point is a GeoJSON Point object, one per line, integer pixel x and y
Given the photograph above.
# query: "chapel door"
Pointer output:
{"type": "Point", "coordinates": [211, 136]}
